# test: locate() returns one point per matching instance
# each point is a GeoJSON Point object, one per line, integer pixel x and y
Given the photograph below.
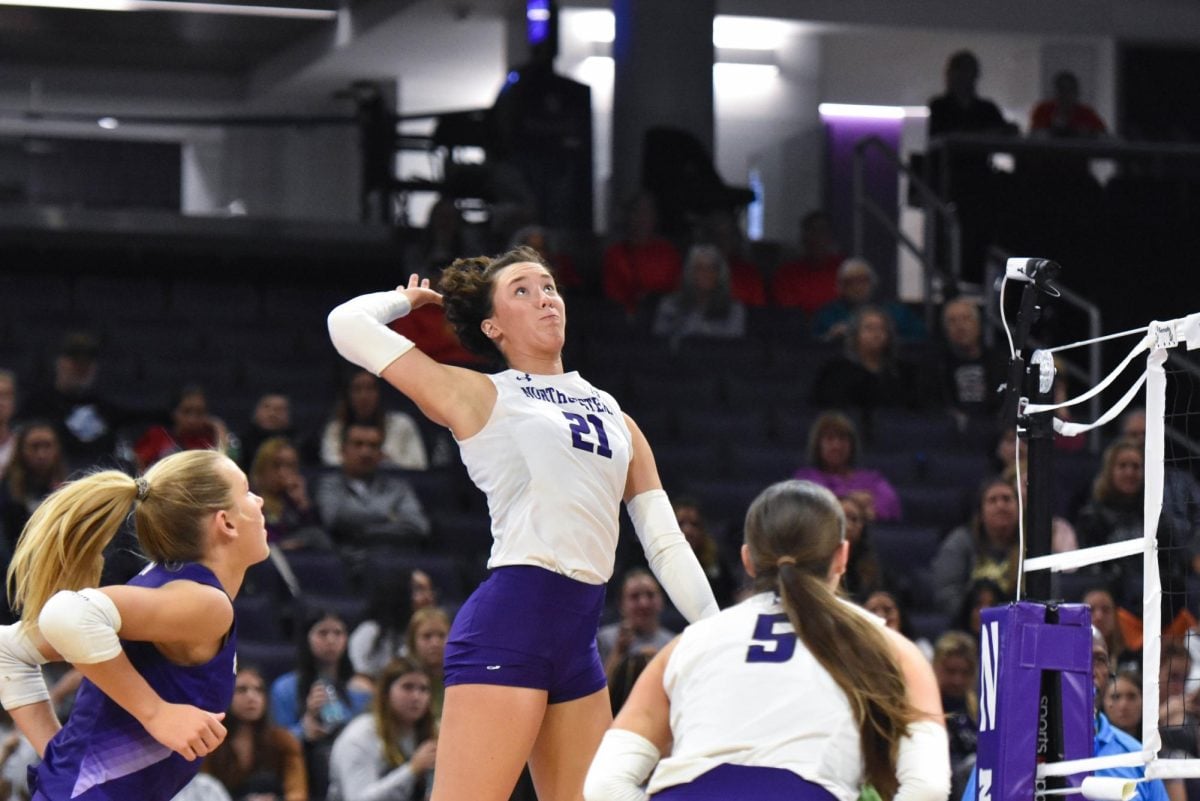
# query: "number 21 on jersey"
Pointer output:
{"type": "Point", "coordinates": [588, 434]}
{"type": "Point", "coordinates": [774, 639]}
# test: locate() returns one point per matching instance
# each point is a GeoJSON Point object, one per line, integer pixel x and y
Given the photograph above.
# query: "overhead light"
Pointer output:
{"type": "Point", "coordinates": [108, 123]}
{"type": "Point", "coordinates": [871, 112]}
{"type": "Point", "coordinates": [748, 33]}
{"type": "Point", "coordinates": [185, 6]}
{"type": "Point", "coordinates": [860, 111]}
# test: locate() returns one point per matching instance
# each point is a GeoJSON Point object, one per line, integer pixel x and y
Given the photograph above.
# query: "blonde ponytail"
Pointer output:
{"type": "Point", "coordinates": [62, 545]}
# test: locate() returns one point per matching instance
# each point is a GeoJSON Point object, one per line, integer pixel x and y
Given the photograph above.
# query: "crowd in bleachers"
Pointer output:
{"type": "Point", "coordinates": [736, 382]}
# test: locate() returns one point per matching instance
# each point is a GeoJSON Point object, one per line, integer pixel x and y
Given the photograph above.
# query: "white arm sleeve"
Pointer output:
{"type": "Point", "coordinates": [359, 329]}
{"type": "Point", "coordinates": [923, 766]}
{"type": "Point", "coordinates": [82, 626]}
{"type": "Point", "coordinates": [670, 557]}
{"type": "Point", "coordinates": [620, 768]}
{"type": "Point", "coordinates": [21, 680]}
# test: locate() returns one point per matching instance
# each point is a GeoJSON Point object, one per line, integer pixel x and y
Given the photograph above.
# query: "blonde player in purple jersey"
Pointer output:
{"type": "Point", "coordinates": [555, 457]}
{"type": "Point", "coordinates": [158, 653]}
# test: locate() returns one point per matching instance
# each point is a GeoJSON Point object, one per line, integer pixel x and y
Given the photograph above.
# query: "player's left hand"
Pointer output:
{"type": "Point", "coordinates": [187, 730]}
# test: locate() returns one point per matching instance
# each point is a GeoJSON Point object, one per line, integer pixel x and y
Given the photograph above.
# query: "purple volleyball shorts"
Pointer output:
{"type": "Point", "coordinates": [746, 781]}
{"type": "Point", "coordinates": [526, 626]}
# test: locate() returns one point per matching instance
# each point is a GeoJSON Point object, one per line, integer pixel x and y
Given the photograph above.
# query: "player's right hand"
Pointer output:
{"type": "Point", "coordinates": [187, 730]}
{"type": "Point", "coordinates": [419, 292]}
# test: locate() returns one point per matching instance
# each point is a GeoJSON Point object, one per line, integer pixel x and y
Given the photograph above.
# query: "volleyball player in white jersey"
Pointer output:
{"type": "Point", "coordinates": [555, 457]}
{"type": "Point", "coordinates": [792, 694]}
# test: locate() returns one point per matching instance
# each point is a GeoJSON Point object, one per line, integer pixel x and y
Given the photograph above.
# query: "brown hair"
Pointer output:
{"type": "Point", "coordinates": [420, 618]}
{"type": "Point", "coordinates": [467, 286]}
{"type": "Point", "coordinates": [1102, 489]}
{"type": "Point", "coordinates": [831, 423]}
{"type": "Point", "coordinates": [385, 723]}
{"type": "Point", "coordinates": [962, 645]}
{"type": "Point", "coordinates": [803, 521]}
{"type": "Point", "coordinates": [17, 474]}
{"type": "Point", "coordinates": [266, 454]}
{"type": "Point", "coordinates": [63, 544]}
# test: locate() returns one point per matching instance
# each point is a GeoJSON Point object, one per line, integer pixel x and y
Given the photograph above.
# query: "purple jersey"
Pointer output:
{"type": "Point", "coordinates": [103, 753]}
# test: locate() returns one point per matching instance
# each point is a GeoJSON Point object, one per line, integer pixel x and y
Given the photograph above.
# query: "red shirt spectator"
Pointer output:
{"type": "Point", "coordinates": [809, 281]}
{"type": "Point", "coordinates": [642, 264]}
{"type": "Point", "coordinates": [746, 283]}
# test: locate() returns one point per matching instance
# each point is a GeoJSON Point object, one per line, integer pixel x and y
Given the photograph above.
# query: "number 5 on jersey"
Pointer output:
{"type": "Point", "coordinates": [773, 645]}
{"type": "Point", "coordinates": [586, 429]}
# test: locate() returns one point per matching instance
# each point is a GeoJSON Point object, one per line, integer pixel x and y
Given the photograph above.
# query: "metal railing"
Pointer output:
{"type": "Point", "coordinates": [939, 217]}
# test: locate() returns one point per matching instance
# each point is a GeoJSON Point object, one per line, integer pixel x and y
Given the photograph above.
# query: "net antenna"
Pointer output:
{"type": "Point", "coordinates": [1031, 415]}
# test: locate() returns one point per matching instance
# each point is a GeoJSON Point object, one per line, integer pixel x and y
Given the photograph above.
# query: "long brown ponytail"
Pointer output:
{"type": "Point", "coordinates": [793, 530]}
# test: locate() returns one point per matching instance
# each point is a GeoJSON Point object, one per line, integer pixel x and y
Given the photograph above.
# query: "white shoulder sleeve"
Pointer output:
{"type": "Point", "coordinates": [923, 766]}
{"type": "Point", "coordinates": [358, 329]}
{"type": "Point", "coordinates": [669, 555]}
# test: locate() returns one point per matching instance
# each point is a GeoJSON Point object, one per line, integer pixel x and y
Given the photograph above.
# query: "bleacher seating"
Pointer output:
{"type": "Point", "coordinates": [725, 418]}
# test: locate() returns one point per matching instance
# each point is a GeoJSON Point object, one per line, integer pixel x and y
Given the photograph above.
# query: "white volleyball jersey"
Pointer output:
{"type": "Point", "coordinates": [744, 690]}
{"type": "Point", "coordinates": [552, 459]}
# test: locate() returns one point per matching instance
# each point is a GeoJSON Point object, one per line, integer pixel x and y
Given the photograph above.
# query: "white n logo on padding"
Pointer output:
{"type": "Point", "coordinates": [989, 658]}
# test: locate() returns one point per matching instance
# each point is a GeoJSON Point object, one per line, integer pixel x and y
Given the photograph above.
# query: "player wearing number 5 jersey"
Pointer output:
{"type": "Point", "coordinates": [792, 694]}
{"type": "Point", "coordinates": [555, 457]}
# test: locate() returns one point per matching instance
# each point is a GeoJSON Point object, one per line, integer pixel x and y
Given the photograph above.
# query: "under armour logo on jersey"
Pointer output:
{"type": "Point", "coordinates": [525, 377]}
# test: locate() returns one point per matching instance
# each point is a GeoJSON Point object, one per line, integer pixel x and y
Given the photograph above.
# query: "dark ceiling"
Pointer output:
{"type": "Point", "coordinates": [228, 44]}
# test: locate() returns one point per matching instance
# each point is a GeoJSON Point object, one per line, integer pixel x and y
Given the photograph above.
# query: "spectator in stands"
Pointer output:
{"type": "Point", "coordinates": [272, 417]}
{"type": "Point", "coordinates": [425, 640]}
{"type": "Point", "coordinates": [424, 593]}
{"type": "Point", "coordinates": [833, 450]}
{"type": "Point", "coordinates": [1109, 620]}
{"type": "Point", "coordinates": [954, 666]}
{"type": "Point", "coordinates": [87, 423]}
{"type": "Point", "coordinates": [867, 374]}
{"type": "Point", "coordinates": [887, 606]}
{"type": "Point", "coordinates": [703, 305]}
{"type": "Point", "coordinates": [318, 698]}
{"type": "Point", "coordinates": [388, 752]}
{"type": "Point", "coordinates": [566, 277]}
{"type": "Point", "coordinates": [863, 575]}
{"type": "Point", "coordinates": [809, 281]}
{"type": "Point", "coordinates": [361, 402]}
{"type": "Point", "coordinates": [986, 547]}
{"type": "Point", "coordinates": [720, 228]}
{"type": "Point", "coordinates": [1063, 115]}
{"type": "Point", "coordinates": [694, 526]}
{"type": "Point", "coordinates": [1123, 703]}
{"type": "Point", "coordinates": [380, 637]}
{"type": "Point", "coordinates": [360, 506]}
{"type": "Point", "coordinates": [37, 469]}
{"type": "Point", "coordinates": [643, 266]}
{"type": "Point", "coordinates": [982, 594]}
{"type": "Point", "coordinates": [639, 629]}
{"type": "Point", "coordinates": [969, 374]}
{"type": "Point", "coordinates": [445, 237]}
{"type": "Point", "coordinates": [8, 407]}
{"type": "Point", "coordinates": [192, 429]}
{"type": "Point", "coordinates": [292, 519]}
{"type": "Point", "coordinates": [1177, 712]}
{"type": "Point", "coordinates": [971, 184]}
{"type": "Point", "coordinates": [1115, 512]}
{"type": "Point", "coordinates": [857, 284]}
{"type": "Point", "coordinates": [258, 761]}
